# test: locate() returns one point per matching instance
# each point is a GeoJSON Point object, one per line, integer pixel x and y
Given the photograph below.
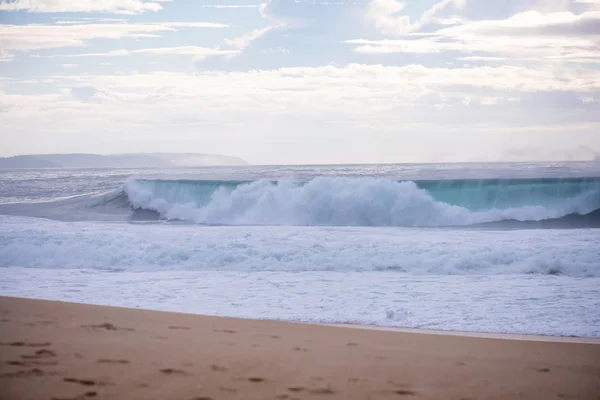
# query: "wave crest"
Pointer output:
{"type": "Point", "coordinates": [332, 201]}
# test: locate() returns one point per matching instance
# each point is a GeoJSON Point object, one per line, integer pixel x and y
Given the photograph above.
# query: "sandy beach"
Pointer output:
{"type": "Point", "coordinates": [55, 350]}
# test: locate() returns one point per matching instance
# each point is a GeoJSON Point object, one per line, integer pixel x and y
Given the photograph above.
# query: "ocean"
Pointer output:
{"type": "Point", "coordinates": [498, 248]}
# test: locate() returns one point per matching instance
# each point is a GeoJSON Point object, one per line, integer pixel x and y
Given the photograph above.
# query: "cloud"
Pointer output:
{"type": "Point", "coordinates": [90, 94]}
{"type": "Point", "coordinates": [363, 112]}
{"type": "Point", "coordinates": [179, 50]}
{"type": "Point", "coordinates": [382, 13]}
{"type": "Point", "coordinates": [242, 42]}
{"type": "Point", "coordinates": [292, 28]}
{"type": "Point", "coordinates": [228, 6]}
{"type": "Point", "coordinates": [112, 53]}
{"type": "Point", "coordinates": [230, 48]}
{"type": "Point", "coordinates": [533, 23]}
{"type": "Point", "coordinates": [562, 36]}
{"type": "Point", "coordinates": [363, 81]}
{"type": "Point", "coordinates": [5, 56]}
{"type": "Point", "coordinates": [38, 36]}
{"type": "Point", "coordinates": [187, 50]}
{"type": "Point", "coordinates": [128, 7]}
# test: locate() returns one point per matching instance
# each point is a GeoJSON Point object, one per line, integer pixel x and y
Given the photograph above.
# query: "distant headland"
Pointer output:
{"type": "Point", "coordinates": [140, 160]}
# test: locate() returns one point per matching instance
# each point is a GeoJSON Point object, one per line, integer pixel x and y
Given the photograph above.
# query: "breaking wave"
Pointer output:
{"type": "Point", "coordinates": [366, 201]}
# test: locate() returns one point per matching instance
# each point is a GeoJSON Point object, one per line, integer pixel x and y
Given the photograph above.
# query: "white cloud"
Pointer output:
{"type": "Point", "coordinates": [242, 42]}
{"type": "Point", "coordinates": [528, 35]}
{"type": "Point", "coordinates": [226, 6]}
{"type": "Point", "coordinates": [233, 47]}
{"type": "Point", "coordinates": [413, 113]}
{"type": "Point", "coordinates": [87, 93]}
{"type": "Point", "coordinates": [356, 83]}
{"type": "Point", "coordinates": [38, 36]}
{"type": "Point", "coordinates": [5, 56]}
{"type": "Point", "coordinates": [130, 7]}
{"type": "Point", "coordinates": [112, 53]}
{"type": "Point", "coordinates": [179, 50]}
{"type": "Point", "coordinates": [187, 50]}
{"type": "Point", "coordinates": [382, 13]}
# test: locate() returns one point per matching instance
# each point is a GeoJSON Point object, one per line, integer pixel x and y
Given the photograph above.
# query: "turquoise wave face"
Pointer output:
{"type": "Point", "coordinates": [479, 195]}
{"type": "Point", "coordinates": [194, 192]}
{"type": "Point", "coordinates": [474, 195]}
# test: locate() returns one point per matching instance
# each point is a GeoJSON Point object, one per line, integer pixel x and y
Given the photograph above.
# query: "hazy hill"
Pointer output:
{"type": "Point", "coordinates": [151, 160]}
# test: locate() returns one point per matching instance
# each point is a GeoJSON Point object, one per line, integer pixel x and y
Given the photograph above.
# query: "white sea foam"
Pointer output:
{"type": "Point", "coordinates": [332, 201]}
{"type": "Point", "coordinates": [547, 305]}
{"type": "Point", "coordinates": [473, 280]}
{"type": "Point", "coordinates": [29, 242]}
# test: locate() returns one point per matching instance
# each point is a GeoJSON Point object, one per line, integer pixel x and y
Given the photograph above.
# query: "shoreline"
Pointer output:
{"type": "Point", "coordinates": [457, 333]}
{"type": "Point", "coordinates": [484, 335]}
{"type": "Point", "coordinates": [61, 350]}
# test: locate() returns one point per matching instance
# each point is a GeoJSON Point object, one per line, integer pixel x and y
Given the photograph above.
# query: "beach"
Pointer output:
{"type": "Point", "coordinates": [59, 350]}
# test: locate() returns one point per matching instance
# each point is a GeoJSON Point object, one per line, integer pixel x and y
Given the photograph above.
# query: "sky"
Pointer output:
{"type": "Point", "coordinates": [303, 81]}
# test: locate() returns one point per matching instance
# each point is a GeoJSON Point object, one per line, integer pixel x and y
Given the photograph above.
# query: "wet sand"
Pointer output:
{"type": "Point", "coordinates": [56, 350]}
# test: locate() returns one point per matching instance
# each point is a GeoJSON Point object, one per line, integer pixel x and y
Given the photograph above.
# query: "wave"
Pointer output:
{"type": "Point", "coordinates": [365, 201]}
{"type": "Point", "coordinates": [107, 246]}
{"type": "Point", "coordinates": [517, 203]}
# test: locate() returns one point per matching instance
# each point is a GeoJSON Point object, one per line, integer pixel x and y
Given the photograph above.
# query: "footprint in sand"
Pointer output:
{"type": "Point", "coordinates": [323, 391]}
{"type": "Point", "coordinates": [32, 363]}
{"type": "Point", "coordinates": [256, 379]}
{"type": "Point", "coordinates": [224, 331]}
{"type": "Point", "coordinates": [107, 326]}
{"type": "Point", "coordinates": [40, 323]}
{"type": "Point", "coordinates": [403, 392]}
{"type": "Point", "coordinates": [23, 374]}
{"type": "Point", "coordinates": [112, 361]}
{"type": "Point", "coordinates": [88, 382]}
{"type": "Point", "coordinates": [83, 396]}
{"type": "Point", "coordinates": [26, 344]}
{"type": "Point", "coordinates": [218, 368]}
{"type": "Point", "coordinates": [185, 328]}
{"type": "Point", "coordinates": [173, 371]}
{"type": "Point", "coordinates": [45, 353]}
{"type": "Point", "coordinates": [84, 382]}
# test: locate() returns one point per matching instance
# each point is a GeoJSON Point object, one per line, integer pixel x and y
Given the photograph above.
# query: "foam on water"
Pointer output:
{"type": "Point", "coordinates": [534, 281]}
{"type": "Point", "coordinates": [545, 305]}
{"type": "Point", "coordinates": [28, 242]}
{"type": "Point", "coordinates": [363, 201]}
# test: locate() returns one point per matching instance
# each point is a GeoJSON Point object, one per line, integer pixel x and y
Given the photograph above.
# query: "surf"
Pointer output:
{"type": "Point", "coordinates": [366, 201]}
{"type": "Point", "coordinates": [340, 201]}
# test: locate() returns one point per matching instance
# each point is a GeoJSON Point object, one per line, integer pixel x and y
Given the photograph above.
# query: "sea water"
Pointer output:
{"type": "Point", "coordinates": [503, 248]}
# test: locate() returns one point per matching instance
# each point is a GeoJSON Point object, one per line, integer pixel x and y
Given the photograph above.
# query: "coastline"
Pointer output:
{"type": "Point", "coordinates": [482, 335]}
{"type": "Point", "coordinates": [65, 350]}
